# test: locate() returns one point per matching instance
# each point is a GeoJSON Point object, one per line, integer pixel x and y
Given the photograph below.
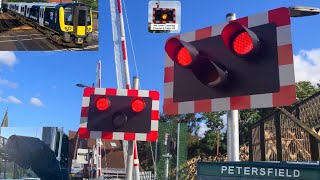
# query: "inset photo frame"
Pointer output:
{"type": "Point", "coordinates": [164, 17]}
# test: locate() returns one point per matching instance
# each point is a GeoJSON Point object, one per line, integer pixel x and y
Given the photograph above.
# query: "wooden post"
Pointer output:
{"type": "Point", "coordinates": [314, 148]}
{"type": "Point", "coordinates": [262, 142]}
{"type": "Point", "coordinates": [218, 140]}
{"type": "Point", "coordinates": [277, 124]}
{"type": "Point", "coordinates": [250, 144]}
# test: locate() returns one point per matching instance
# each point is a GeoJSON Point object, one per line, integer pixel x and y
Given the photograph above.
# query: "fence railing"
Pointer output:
{"type": "Point", "coordinates": [191, 166]}
{"type": "Point", "coordinates": [147, 175]}
{"type": "Point", "coordinates": [121, 174]}
{"type": "Point", "coordinates": [287, 134]}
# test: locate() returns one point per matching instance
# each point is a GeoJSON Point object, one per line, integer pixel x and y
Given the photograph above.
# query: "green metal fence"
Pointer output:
{"type": "Point", "coordinates": [177, 147]}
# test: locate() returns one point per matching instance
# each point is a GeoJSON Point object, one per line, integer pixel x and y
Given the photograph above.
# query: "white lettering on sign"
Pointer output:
{"type": "Point", "coordinates": [281, 172]}
{"type": "Point", "coordinates": [287, 174]}
{"type": "Point", "coordinates": [255, 171]}
{"type": "Point", "coordinates": [231, 170]}
{"type": "Point", "coordinates": [239, 169]}
{"type": "Point", "coordinates": [223, 168]}
{"type": "Point", "coordinates": [296, 173]}
{"type": "Point", "coordinates": [269, 171]}
{"type": "Point", "coordinates": [246, 171]}
{"type": "Point", "coordinates": [165, 27]}
{"type": "Point", "coordinates": [260, 171]}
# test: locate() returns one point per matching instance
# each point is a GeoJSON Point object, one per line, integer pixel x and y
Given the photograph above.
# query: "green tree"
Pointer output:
{"type": "Point", "coordinates": [91, 3]}
{"type": "Point", "coordinates": [306, 89]}
{"type": "Point", "coordinates": [145, 155]}
{"type": "Point", "coordinates": [215, 124]}
{"type": "Point", "coordinates": [247, 118]}
{"type": "Point", "coordinates": [194, 146]}
{"type": "Point", "coordinates": [192, 120]}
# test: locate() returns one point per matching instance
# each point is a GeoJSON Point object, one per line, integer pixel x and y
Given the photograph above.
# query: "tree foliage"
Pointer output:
{"type": "Point", "coordinates": [306, 89]}
{"type": "Point", "coordinates": [90, 3]}
{"type": "Point", "coordinates": [193, 120]}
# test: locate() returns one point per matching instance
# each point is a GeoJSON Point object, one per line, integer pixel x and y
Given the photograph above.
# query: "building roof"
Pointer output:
{"type": "Point", "coordinates": [112, 150]}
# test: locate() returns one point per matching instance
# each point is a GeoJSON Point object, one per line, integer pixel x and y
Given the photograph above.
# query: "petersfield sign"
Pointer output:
{"type": "Point", "coordinates": [254, 170]}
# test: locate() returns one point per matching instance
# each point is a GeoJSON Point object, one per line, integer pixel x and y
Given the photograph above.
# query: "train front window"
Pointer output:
{"type": "Point", "coordinates": [88, 18]}
{"type": "Point", "coordinates": [68, 16]}
{"type": "Point", "coordinates": [82, 18]}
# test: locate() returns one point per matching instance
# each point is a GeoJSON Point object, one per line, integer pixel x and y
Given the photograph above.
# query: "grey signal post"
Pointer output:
{"type": "Point", "coordinates": [232, 122]}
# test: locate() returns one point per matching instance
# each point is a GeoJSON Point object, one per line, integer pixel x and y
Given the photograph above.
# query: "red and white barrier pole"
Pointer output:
{"type": "Point", "coordinates": [136, 162]}
{"type": "Point", "coordinates": [124, 46]}
{"type": "Point", "coordinates": [129, 163]}
{"type": "Point", "coordinates": [131, 145]}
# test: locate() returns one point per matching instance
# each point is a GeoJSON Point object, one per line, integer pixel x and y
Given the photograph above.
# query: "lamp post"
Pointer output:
{"type": "Point", "coordinates": [301, 11]}
{"type": "Point", "coordinates": [75, 149]}
{"type": "Point", "coordinates": [83, 86]}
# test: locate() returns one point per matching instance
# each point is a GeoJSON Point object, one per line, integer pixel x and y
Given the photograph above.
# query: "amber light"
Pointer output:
{"type": "Point", "coordinates": [137, 105]}
{"type": "Point", "coordinates": [164, 16]}
{"type": "Point", "coordinates": [102, 104]}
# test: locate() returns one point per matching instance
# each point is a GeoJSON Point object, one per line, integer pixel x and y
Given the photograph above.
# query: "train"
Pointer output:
{"type": "Point", "coordinates": [68, 24]}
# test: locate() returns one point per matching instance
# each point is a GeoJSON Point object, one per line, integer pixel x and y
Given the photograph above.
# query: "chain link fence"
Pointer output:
{"type": "Point", "coordinates": [171, 150]}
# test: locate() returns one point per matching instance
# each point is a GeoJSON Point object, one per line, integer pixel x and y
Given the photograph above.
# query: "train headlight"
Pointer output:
{"type": "Point", "coordinates": [79, 40]}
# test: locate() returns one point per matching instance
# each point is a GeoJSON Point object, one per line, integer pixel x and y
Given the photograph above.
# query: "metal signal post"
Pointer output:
{"type": "Point", "coordinates": [232, 122]}
{"type": "Point", "coordinates": [98, 141]}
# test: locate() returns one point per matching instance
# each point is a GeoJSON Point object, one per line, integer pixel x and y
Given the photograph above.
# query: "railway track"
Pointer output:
{"type": "Point", "coordinates": [17, 36]}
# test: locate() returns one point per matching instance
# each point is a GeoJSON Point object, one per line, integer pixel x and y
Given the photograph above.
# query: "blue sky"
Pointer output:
{"type": "Point", "coordinates": [47, 79]}
{"type": "Point", "coordinates": [22, 131]}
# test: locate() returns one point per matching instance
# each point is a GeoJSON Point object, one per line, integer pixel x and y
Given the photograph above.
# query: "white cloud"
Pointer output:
{"type": "Point", "coordinates": [8, 83]}
{"type": "Point", "coordinates": [36, 102]}
{"type": "Point", "coordinates": [8, 58]}
{"type": "Point", "coordinates": [203, 129]}
{"type": "Point", "coordinates": [224, 120]}
{"type": "Point", "coordinates": [10, 99]}
{"type": "Point", "coordinates": [307, 66]}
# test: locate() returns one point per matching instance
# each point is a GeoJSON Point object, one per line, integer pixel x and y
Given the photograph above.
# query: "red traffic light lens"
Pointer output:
{"type": "Point", "coordinates": [180, 52]}
{"type": "Point", "coordinates": [137, 105]}
{"type": "Point", "coordinates": [183, 57]}
{"type": "Point", "coordinates": [102, 104]}
{"type": "Point", "coordinates": [242, 44]}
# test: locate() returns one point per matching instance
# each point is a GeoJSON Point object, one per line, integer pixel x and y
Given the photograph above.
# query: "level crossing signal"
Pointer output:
{"type": "Point", "coordinates": [243, 64]}
{"type": "Point", "coordinates": [164, 15]}
{"type": "Point", "coordinates": [119, 114]}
